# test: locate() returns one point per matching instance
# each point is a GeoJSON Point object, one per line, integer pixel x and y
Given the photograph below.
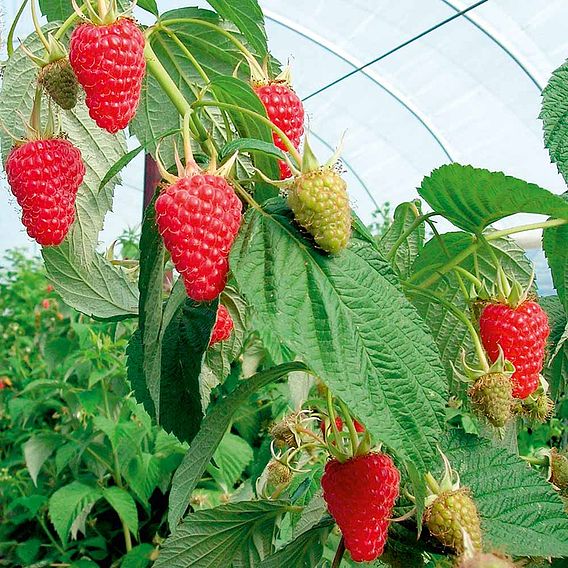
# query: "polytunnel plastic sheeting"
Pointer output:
{"type": "Point", "coordinates": [468, 91]}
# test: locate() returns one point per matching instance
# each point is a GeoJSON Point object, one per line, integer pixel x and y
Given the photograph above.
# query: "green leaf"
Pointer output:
{"type": "Point", "coordinates": [555, 245]}
{"type": "Point", "coordinates": [67, 503]}
{"type": "Point", "coordinates": [236, 92]}
{"type": "Point", "coordinates": [556, 368]}
{"type": "Point", "coordinates": [148, 5]}
{"type": "Point", "coordinates": [135, 373]}
{"type": "Point", "coordinates": [55, 9]}
{"type": "Point", "coordinates": [139, 557]}
{"type": "Point", "coordinates": [36, 451]}
{"type": "Point", "coordinates": [303, 552]}
{"type": "Point", "coordinates": [451, 334]}
{"type": "Point", "coordinates": [97, 289]}
{"type": "Point", "coordinates": [554, 115]}
{"type": "Point", "coordinates": [215, 538]}
{"type": "Point", "coordinates": [123, 503]}
{"type": "Point", "coordinates": [249, 145]}
{"type": "Point", "coordinates": [248, 17]}
{"type": "Point", "coordinates": [473, 198]}
{"type": "Point", "coordinates": [212, 430]}
{"type": "Point", "coordinates": [231, 458]}
{"type": "Point", "coordinates": [521, 514]}
{"type": "Point", "coordinates": [348, 318]}
{"type": "Point", "coordinates": [408, 246]}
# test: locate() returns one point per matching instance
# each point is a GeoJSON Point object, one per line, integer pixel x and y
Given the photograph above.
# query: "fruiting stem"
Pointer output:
{"type": "Point", "coordinates": [240, 46]}
{"type": "Point", "coordinates": [542, 461]}
{"type": "Point", "coordinates": [432, 484]}
{"type": "Point", "coordinates": [353, 437]}
{"type": "Point", "coordinates": [68, 23]}
{"type": "Point", "coordinates": [459, 315]}
{"type": "Point", "coordinates": [288, 143]}
{"type": "Point", "coordinates": [156, 68]}
{"type": "Point", "coordinates": [10, 39]}
{"type": "Point", "coordinates": [339, 554]}
{"type": "Point", "coordinates": [415, 224]}
{"type": "Point", "coordinates": [37, 27]}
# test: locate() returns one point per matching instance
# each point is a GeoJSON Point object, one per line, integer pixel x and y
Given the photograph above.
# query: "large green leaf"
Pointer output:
{"type": "Point", "coordinates": [305, 551]}
{"type": "Point", "coordinates": [346, 316]}
{"type": "Point", "coordinates": [248, 17]}
{"type": "Point", "coordinates": [450, 333]}
{"type": "Point", "coordinates": [555, 245]}
{"type": "Point", "coordinates": [210, 435]}
{"type": "Point", "coordinates": [554, 115]}
{"type": "Point", "coordinates": [473, 198]}
{"type": "Point", "coordinates": [74, 266]}
{"type": "Point", "coordinates": [230, 460]}
{"type": "Point", "coordinates": [521, 514]}
{"type": "Point", "coordinates": [408, 245]}
{"type": "Point", "coordinates": [123, 504]}
{"type": "Point", "coordinates": [67, 503]}
{"type": "Point", "coordinates": [36, 451]}
{"type": "Point", "coordinates": [215, 538]}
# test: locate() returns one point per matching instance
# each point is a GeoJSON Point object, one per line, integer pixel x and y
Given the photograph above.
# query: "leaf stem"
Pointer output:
{"type": "Point", "coordinates": [339, 554]}
{"type": "Point", "coordinates": [523, 228]}
{"type": "Point", "coordinates": [415, 224]}
{"type": "Point", "coordinates": [288, 143]}
{"type": "Point", "coordinates": [46, 530]}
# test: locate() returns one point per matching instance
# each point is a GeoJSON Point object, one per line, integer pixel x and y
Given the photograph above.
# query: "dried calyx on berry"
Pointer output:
{"type": "Point", "coordinates": [537, 406]}
{"type": "Point", "coordinates": [451, 514]}
{"type": "Point", "coordinates": [106, 53]}
{"type": "Point", "coordinates": [512, 322]}
{"type": "Point", "coordinates": [198, 215]}
{"type": "Point", "coordinates": [472, 558]}
{"type": "Point", "coordinates": [491, 390]}
{"type": "Point", "coordinates": [56, 76]}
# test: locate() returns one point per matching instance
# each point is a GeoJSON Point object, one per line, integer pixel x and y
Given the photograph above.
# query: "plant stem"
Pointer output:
{"type": "Point", "coordinates": [10, 39]}
{"type": "Point", "coordinates": [68, 23]}
{"type": "Point", "coordinates": [46, 530]}
{"type": "Point", "coordinates": [37, 27]}
{"type": "Point", "coordinates": [161, 75]}
{"type": "Point", "coordinates": [523, 228]}
{"type": "Point", "coordinates": [289, 146]}
{"type": "Point", "coordinates": [350, 426]}
{"type": "Point", "coordinates": [461, 316]}
{"type": "Point", "coordinates": [339, 554]}
{"type": "Point", "coordinates": [240, 46]}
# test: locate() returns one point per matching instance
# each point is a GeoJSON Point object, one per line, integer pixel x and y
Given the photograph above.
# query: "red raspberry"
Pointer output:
{"type": "Point", "coordinates": [223, 325]}
{"type": "Point", "coordinates": [199, 217]}
{"type": "Point", "coordinates": [360, 495]}
{"type": "Point", "coordinates": [285, 110]}
{"type": "Point", "coordinates": [44, 176]}
{"type": "Point", "coordinates": [109, 64]}
{"type": "Point", "coordinates": [522, 333]}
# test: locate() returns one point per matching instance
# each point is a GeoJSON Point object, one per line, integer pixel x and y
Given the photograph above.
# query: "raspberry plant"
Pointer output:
{"type": "Point", "coordinates": [381, 332]}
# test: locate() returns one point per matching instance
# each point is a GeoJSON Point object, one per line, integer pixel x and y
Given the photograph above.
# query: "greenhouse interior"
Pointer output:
{"type": "Point", "coordinates": [284, 283]}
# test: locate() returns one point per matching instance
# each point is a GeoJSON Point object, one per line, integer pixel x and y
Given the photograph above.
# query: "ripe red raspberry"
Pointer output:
{"type": "Point", "coordinates": [522, 333]}
{"type": "Point", "coordinates": [44, 176]}
{"type": "Point", "coordinates": [199, 217]}
{"type": "Point", "coordinates": [223, 325]}
{"type": "Point", "coordinates": [360, 495]}
{"type": "Point", "coordinates": [285, 110]}
{"type": "Point", "coordinates": [109, 63]}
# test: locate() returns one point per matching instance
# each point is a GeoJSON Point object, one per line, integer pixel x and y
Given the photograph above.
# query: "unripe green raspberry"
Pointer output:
{"type": "Point", "coordinates": [278, 473]}
{"type": "Point", "coordinates": [485, 560]}
{"type": "Point", "coordinates": [559, 470]}
{"type": "Point", "coordinates": [451, 512]}
{"type": "Point", "coordinates": [320, 204]}
{"type": "Point", "coordinates": [492, 396]}
{"type": "Point", "coordinates": [59, 82]}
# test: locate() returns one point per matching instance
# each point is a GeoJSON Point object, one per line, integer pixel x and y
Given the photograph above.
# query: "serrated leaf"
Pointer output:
{"type": "Point", "coordinates": [36, 451]}
{"type": "Point", "coordinates": [214, 538]}
{"type": "Point", "coordinates": [248, 17]}
{"type": "Point", "coordinates": [555, 245]}
{"type": "Point", "coordinates": [230, 458]}
{"type": "Point", "coordinates": [451, 334]}
{"type": "Point", "coordinates": [408, 246]}
{"type": "Point", "coordinates": [554, 115]}
{"type": "Point", "coordinates": [212, 430]}
{"type": "Point", "coordinates": [305, 551]}
{"type": "Point", "coordinates": [521, 514]}
{"type": "Point", "coordinates": [473, 198]}
{"type": "Point", "coordinates": [348, 318]}
{"type": "Point", "coordinates": [123, 503]}
{"type": "Point", "coordinates": [66, 504]}
{"type": "Point", "coordinates": [148, 5]}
